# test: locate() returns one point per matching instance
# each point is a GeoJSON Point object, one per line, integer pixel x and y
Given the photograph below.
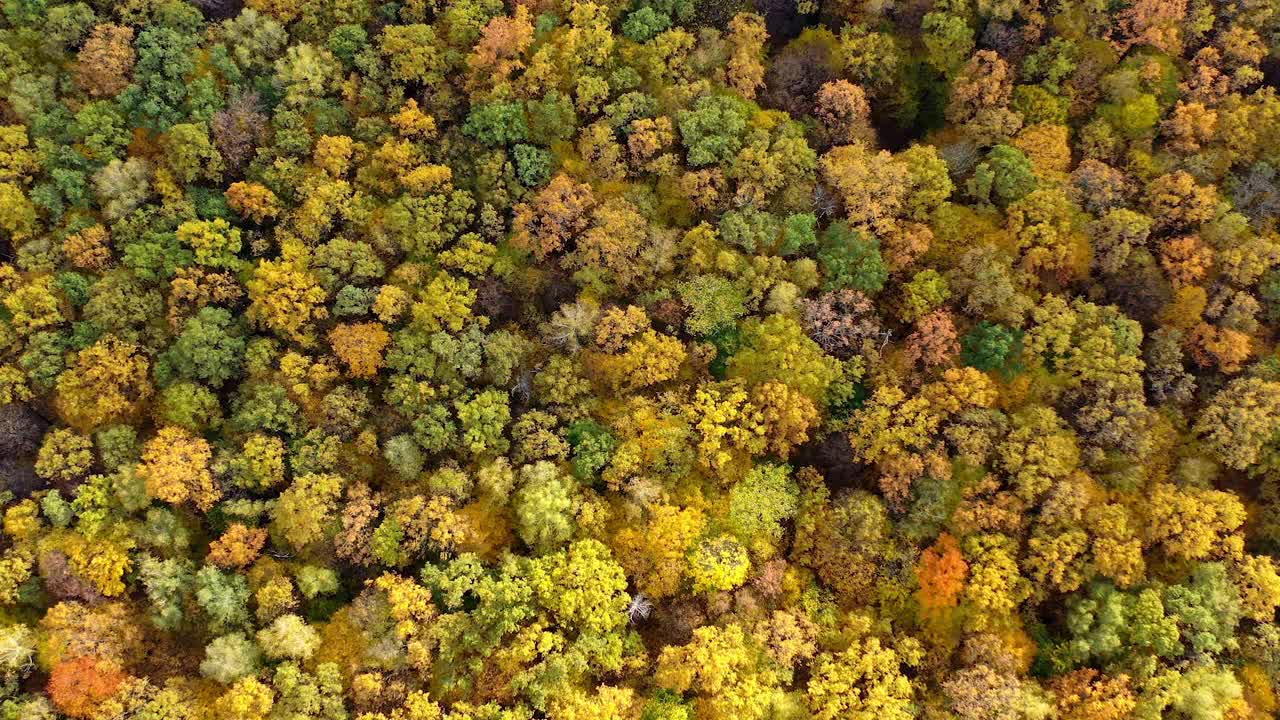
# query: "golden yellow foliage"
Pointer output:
{"type": "Point", "coordinates": [175, 466]}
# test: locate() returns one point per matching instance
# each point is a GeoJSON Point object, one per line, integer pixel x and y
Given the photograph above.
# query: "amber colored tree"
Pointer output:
{"type": "Point", "coordinates": [871, 184]}
{"type": "Point", "coordinates": [253, 201]}
{"type": "Point", "coordinates": [78, 686]}
{"type": "Point", "coordinates": [238, 547]}
{"type": "Point", "coordinates": [1186, 259]}
{"type": "Point", "coordinates": [942, 572]}
{"type": "Point", "coordinates": [614, 241]}
{"type": "Point", "coordinates": [497, 54]}
{"type": "Point", "coordinates": [1176, 200]}
{"type": "Point", "coordinates": [980, 97]}
{"type": "Point", "coordinates": [1088, 695]}
{"type": "Point", "coordinates": [843, 109]}
{"type": "Point", "coordinates": [105, 60]}
{"type": "Point", "coordinates": [175, 467]}
{"type": "Point", "coordinates": [1226, 348]}
{"type": "Point", "coordinates": [89, 249]}
{"type": "Point", "coordinates": [1157, 23]}
{"type": "Point", "coordinates": [746, 39]}
{"type": "Point", "coordinates": [653, 554]}
{"type": "Point", "coordinates": [360, 347]}
{"type": "Point", "coordinates": [933, 342]}
{"type": "Point", "coordinates": [107, 383]}
{"type": "Point", "coordinates": [554, 217]}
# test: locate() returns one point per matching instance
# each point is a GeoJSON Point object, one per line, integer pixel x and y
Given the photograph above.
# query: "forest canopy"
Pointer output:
{"type": "Point", "coordinates": [639, 359]}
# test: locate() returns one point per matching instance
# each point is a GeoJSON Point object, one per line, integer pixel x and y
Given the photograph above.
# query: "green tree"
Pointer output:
{"type": "Point", "coordinates": [497, 124]}
{"type": "Point", "coordinates": [992, 347]}
{"type": "Point", "coordinates": [1207, 609]}
{"type": "Point", "coordinates": [1006, 174]}
{"type": "Point", "coordinates": [210, 348]}
{"type": "Point", "coordinates": [712, 130]}
{"type": "Point", "coordinates": [231, 657]}
{"type": "Point", "coordinates": [169, 584]}
{"type": "Point", "coordinates": [543, 506]}
{"type": "Point", "coordinates": [413, 53]}
{"type": "Point", "coordinates": [305, 510]}
{"type": "Point", "coordinates": [192, 156]}
{"type": "Point", "coordinates": [850, 259]}
{"type": "Point", "coordinates": [156, 99]}
{"type": "Point", "coordinates": [484, 419]}
{"type": "Point", "coordinates": [644, 23]}
{"type": "Point", "coordinates": [761, 502]}
{"type": "Point", "coordinates": [948, 40]}
{"type": "Point", "coordinates": [224, 597]}
{"type": "Point", "coordinates": [714, 303]}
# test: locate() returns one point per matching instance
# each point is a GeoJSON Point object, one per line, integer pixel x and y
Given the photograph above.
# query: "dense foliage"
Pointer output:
{"type": "Point", "coordinates": [639, 359]}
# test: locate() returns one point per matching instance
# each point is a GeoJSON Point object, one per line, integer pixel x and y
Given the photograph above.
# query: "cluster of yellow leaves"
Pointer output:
{"type": "Point", "coordinates": [787, 414]}
{"type": "Point", "coordinates": [728, 428]}
{"type": "Point", "coordinates": [15, 569]}
{"type": "Point", "coordinates": [107, 383]}
{"type": "Point", "coordinates": [1191, 523]}
{"type": "Point", "coordinates": [238, 546]}
{"type": "Point", "coordinates": [413, 611]}
{"type": "Point", "coordinates": [360, 346]}
{"type": "Point", "coordinates": [1259, 585]}
{"type": "Point", "coordinates": [636, 356]}
{"type": "Point", "coordinates": [891, 424]}
{"type": "Point", "coordinates": [1116, 547]}
{"type": "Point", "coordinates": [778, 349]}
{"type": "Point", "coordinates": [261, 463]}
{"type": "Point", "coordinates": [654, 553]}
{"type": "Point", "coordinates": [996, 586]}
{"type": "Point", "coordinates": [445, 304]}
{"type": "Point", "coordinates": [862, 682]}
{"type": "Point", "coordinates": [175, 466]}
{"type": "Point", "coordinates": [102, 561]}
{"type": "Point", "coordinates": [286, 299]}
{"type": "Point", "coordinates": [418, 706]}
{"type": "Point", "coordinates": [429, 522]}
{"type": "Point", "coordinates": [247, 699]}
{"type": "Point", "coordinates": [722, 667]}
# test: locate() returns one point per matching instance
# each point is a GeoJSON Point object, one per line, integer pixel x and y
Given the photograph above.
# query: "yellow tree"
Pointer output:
{"type": "Point", "coordinates": [360, 346]}
{"type": "Point", "coordinates": [175, 467]}
{"type": "Point", "coordinates": [745, 68]}
{"type": "Point", "coordinates": [723, 670]}
{"type": "Point", "coordinates": [307, 509]}
{"type": "Point", "coordinates": [286, 299]}
{"type": "Point", "coordinates": [862, 682]}
{"type": "Point", "coordinates": [1240, 420]}
{"type": "Point", "coordinates": [787, 414]}
{"type": "Point", "coordinates": [872, 184]}
{"type": "Point", "coordinates": [996, 587]}
{"type": "Point", "coordinates": [654, 553]}
{"type": "Point", "coordinates": [1192, 523]}
{"type": "Point", "coordinates": [107, 383]}
{"type": "Point", "coordinates": [728, 428]}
